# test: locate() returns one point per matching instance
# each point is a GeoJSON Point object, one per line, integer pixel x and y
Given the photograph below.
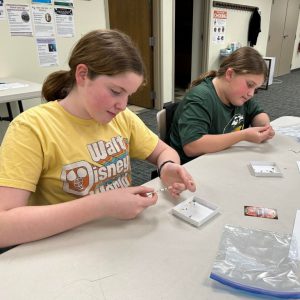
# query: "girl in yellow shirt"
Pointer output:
{"type": "Point", "coordinates": [66, 162]}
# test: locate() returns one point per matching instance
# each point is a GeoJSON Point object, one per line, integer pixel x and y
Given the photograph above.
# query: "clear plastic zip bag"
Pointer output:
{"type": "Point", "coordinates": [258, 261]}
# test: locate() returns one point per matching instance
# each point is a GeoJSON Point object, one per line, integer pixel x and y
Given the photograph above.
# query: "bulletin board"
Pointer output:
{"type": "Point", "coordinates": [31, 50]}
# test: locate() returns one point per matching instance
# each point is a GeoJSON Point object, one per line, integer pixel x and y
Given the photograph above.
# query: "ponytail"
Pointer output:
{"type": "Point", "coordinates": [198, 80]}
{"type": "Point", "coordinates": [104, 52]}
{"type": "Point", "coordinates": [57, 85]}
{"type": "Point", "coordinates": [245, 60]}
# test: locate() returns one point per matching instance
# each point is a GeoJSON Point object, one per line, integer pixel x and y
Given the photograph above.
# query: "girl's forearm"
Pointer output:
{"type": "Point", "coordinates": [28, 223]}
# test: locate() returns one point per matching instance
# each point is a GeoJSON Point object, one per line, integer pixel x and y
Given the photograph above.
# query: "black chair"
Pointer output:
{"type": "Point", "coordinates": [164, 120]}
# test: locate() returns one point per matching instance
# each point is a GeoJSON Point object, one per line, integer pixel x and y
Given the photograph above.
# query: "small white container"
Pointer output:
{"type": "Point", "coordinates": [264, 169]}
{"type": "Point", "coordinates": [195, 211]}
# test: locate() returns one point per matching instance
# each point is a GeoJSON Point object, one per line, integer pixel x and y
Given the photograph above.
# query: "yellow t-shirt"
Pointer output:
{"type": "Point", "coordinates": [59, 157]}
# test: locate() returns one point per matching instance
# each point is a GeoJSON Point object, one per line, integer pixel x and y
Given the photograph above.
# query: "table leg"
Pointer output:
{"type": "Point", "coordinates": [10, 115]}
{"type": "Point", "coordinates": [20, 106]}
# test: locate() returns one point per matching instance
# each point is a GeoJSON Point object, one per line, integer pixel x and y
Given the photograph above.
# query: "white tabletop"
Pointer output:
{"type": "Point", "coordinates": [28, 90]}
{"type": "Point", "coordinates": [158, 256]}
{"type": "Point", "coordinates": [286, 121]}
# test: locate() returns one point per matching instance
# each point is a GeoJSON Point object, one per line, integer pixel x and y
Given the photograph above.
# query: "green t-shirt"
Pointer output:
{"type": "Point", "coordinates": [202, 112]}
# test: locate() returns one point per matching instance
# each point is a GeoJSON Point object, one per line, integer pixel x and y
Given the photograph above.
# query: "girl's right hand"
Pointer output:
{"type": "Point", "coordinates": [126, 203]}
{"type": "Point", "coordinates": [258, 134]}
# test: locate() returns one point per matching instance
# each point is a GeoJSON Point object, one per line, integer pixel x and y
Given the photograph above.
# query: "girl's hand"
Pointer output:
{"type": "Point", "coordinates": [259, 134]}
{"type": "Point", "coordinates": [126, 203]}
{"type": "Point", "coordinates": [177, 179]}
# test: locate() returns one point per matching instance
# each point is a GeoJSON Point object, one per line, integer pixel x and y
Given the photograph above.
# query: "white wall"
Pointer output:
{"type": "Point", "coordinates": [167, 49]}
{"type": "Point", "coordinates": [19, 57]}
{"type": "Point", "coordinates": [296, 54]}
{"type": "Point", "coordinates": [237, 28]}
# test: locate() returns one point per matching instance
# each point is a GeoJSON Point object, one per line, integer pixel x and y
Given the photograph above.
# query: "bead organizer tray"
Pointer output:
{"type": "Point", "coordinates": [195, 211]}
{"type": "Point", "coordinates": [264, 169]}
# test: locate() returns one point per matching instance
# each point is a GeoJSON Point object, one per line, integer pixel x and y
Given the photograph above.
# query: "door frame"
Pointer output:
{"type": "Point", "coordinates": [198, 42]}
{"type": "Point", "coordinates": [158, 54]}
{"type": "Point", "coordinates": [159, 60]}
{"type": "Point", "coordinates": [282, 35]}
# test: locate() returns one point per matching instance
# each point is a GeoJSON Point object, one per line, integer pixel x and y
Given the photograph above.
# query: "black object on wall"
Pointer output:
{"type": "Point", "coordinates": [254, 27]}
{"type": "Point", "coordinates": [233, 6]}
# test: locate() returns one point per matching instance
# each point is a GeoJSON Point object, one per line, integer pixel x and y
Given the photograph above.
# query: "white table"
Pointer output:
{"type": "Point", "coordinates": [158, 256]}
{"type": "Point", "coordinates": [30, 90]}
{"type": "Point", "coordinates": [286, 121]}
{"type": "Point", "coordinates": [288, 125]}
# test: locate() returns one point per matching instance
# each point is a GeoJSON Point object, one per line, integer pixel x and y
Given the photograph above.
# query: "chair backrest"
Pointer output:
{"type": "Point", "coordinates": [164, 120]}
{"type": "Point", "coordinates": [161, 124]}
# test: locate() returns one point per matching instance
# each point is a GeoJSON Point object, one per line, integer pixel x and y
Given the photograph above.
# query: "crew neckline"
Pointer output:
{"type": "Point", "coordinates": [75, 118]}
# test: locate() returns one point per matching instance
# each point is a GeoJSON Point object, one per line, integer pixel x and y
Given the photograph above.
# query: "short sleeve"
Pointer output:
{"type": "Point", "coordinates": [194, 120]}
{"type": "Point", "coordinates": [21, 157]}
{"type": "Point", "coordinates": [142, 140]}
{"type": "Point", "coordinates": [252, 109]}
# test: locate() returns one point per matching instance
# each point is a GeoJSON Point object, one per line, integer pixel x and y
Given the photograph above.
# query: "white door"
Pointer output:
{"type": "Point", "coordinates": [282, 34]}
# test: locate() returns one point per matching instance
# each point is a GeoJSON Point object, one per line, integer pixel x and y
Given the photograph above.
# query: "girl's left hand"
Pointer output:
{"type": "Point", "coordinates": [177, 179]}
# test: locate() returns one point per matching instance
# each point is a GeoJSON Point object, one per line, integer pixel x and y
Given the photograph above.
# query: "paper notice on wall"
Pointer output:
{"type": "Point", "coordinates": [64, 21]}
{"type": "Point", "coordinates": [42, 1]}
{"type": "Point", "coordinates": [19, 20]}
{"type": "Point", "coordinates": [43, 20]}
{"type": "Point", "coordinates": [2, 10]}
{"type": "Point", "coordinates": [64, 2]}
{"type": "Point", "coordinates": [219, 26]}
{"type": "Point", "coordinates": [47, 52]}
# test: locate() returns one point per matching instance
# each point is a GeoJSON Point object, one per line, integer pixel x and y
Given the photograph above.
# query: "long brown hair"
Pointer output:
{"type": "Point", "coordinates": [104, 52]}
{"type": "Point", "coordinates": [245, 60]}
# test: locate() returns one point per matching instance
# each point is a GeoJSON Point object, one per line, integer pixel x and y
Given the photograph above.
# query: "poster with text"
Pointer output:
{"type": "Point", "coordinates": [42, 1]}
{"type": "Point", "coordinates": [19, 19]}
{"type": "Point", "coordinates": [64, 3]}
{"type": "Point", "coordinates": [43, 20]}
{"type": "Point", "coordinates": [2, 10]}
{"type": "Point", "coordinates": [219, 26]}
{"type": "Point", "coordinates": [47, 52]}
{"type": "Point", "coordinates": [64, 20]}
